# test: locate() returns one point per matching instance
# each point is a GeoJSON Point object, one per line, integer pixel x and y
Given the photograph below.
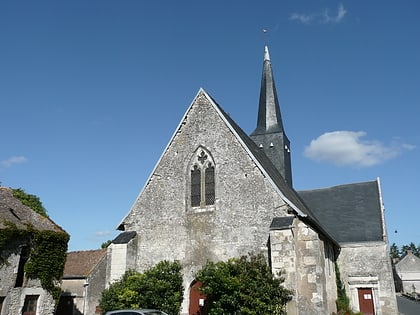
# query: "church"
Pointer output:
{"type": "Point", "coordinates": [217, 193]}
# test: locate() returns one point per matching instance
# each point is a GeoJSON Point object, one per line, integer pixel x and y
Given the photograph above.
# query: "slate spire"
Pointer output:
{"type": "Point", "coordinates": [269, 134]}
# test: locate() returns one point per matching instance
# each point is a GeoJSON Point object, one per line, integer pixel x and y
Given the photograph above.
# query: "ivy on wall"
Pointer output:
{"type": "Point", "coordinates": [343, 301]}
{"type": "Point", "coordinates": [47, 255]}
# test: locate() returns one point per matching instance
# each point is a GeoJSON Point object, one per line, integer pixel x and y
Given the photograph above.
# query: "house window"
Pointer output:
{"type": "Point", "coordinates": [202, 179]}
{"type": "Point", "coordinates": [24, 255]}
{"type": "Point", "coordinates": [29, 308]}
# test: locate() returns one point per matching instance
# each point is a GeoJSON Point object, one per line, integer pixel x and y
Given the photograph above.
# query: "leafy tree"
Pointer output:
{"type": "Point", "coordinates": [159, 287]}
{"type": "Point", "coordinates": [31, 201]}
{"type": "Point", "coordinates": [106, 244]}
{"type": "Point", "coordinates": [414, 249]}
{"type": "Point", "coordinates": [394, 251]}
{"type": "Point", "coordinates": [242, 285]}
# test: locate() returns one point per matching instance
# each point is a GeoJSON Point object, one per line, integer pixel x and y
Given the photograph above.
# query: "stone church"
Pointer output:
{"type": "Point", "coordinates": [217, 193]}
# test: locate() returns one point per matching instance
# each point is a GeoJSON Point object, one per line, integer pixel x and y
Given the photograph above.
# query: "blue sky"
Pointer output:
{"type": "Point", "coordinates": [92, 91]}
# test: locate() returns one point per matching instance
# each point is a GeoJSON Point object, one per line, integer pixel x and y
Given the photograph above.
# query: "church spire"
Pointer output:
{"type": "Point", "coordinates": [269, 134]}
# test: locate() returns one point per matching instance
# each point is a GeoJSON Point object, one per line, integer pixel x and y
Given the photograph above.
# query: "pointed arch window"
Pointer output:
{"type": "Point", "coordinates": [202, 179]}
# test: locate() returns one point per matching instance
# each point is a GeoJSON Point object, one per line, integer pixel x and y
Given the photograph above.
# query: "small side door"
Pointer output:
{"type": "Point", "coordinates": [366, 305]}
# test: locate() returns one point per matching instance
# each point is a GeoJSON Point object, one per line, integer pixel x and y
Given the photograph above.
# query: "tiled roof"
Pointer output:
{"type": "Point", "coordinates": [350, 213]}
{"type": "Point", "coordinates": [79, 264]}
{"type": "Point", "coordinates": [12, 210]}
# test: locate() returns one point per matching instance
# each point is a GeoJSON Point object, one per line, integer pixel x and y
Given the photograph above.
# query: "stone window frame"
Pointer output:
{"type": "Point", "coordinates": [30, 305]}
{"type": "Point", "coordinates": [367, 282]}
{"type": "Point", "coordinates": [201, 162]}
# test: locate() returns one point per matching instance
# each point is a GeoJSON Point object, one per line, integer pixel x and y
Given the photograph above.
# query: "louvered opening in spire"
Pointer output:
{"type": "Point", "coordinates": [269, 134]}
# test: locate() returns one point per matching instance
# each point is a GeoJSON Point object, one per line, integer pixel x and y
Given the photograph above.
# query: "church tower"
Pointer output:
{"type": "Point", "coordinates": [269, 134]}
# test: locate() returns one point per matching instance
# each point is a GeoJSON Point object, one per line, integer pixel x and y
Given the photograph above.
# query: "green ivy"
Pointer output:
{"type": "Point", "coordinates": [343, 301]}
{"type": "Point", "coordinates": [31, 201]}
{"type": "Point", "coordinates": [47, 259]}
{"type": "Point", "coordinates": [47, 256]}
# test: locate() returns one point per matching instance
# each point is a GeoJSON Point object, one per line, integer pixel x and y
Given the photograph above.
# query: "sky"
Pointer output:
{"type": "Point", "coordinates": [92, 91]}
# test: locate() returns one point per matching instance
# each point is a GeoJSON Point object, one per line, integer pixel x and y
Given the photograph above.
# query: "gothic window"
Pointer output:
{"type": "Point", "coordinates": [202, 179]}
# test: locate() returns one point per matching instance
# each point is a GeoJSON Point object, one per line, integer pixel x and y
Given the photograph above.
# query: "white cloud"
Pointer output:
{"type": "Point", "coordinates": [334, 18]}
{"type": "Point", "coordinates": [324, 17]}
{"type": "Point", "coordinates": [347, 148]}
{"type": "Point", "coordinates": [13, 160]}
{"type": "Point", "coordinates": [103, 233]}
{"type": "Point", "coordinates": [303, 18]}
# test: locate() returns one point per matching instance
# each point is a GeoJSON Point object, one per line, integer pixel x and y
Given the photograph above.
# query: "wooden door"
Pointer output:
{"type": "Point", "coordinates": [197, 300]}
{"type": "Point", "coordinates": [366, 301]}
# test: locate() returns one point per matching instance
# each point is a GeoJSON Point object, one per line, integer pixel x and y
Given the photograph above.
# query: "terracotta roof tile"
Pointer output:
{"type": "Point", "coordinates": [81, 263]}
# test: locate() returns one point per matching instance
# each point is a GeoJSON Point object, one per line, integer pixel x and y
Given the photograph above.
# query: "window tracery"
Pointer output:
{"type": "Point", "coordinates": [202, 179]}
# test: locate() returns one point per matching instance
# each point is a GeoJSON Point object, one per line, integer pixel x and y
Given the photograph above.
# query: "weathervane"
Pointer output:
{"type": "Point", "coordinates": [265, 31]}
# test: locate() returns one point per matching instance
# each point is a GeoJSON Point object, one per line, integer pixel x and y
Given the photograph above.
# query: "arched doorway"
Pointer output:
{"type": "Point", "coordinates": [197, 300]}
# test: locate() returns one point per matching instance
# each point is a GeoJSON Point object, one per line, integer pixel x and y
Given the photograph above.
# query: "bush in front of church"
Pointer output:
{"type": "Point", "coordinates": [242, 286]}
{"type": "Point", "coordinates": [159, 287]}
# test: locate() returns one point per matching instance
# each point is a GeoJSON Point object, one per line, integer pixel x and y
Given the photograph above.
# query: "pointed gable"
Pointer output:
{"type": "Point", "coordinates": [200, 110]}
{"type": "Point", "coordinates": [410, 263]}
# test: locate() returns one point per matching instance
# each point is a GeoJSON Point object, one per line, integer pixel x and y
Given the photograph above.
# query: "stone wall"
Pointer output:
{"type": "Point", "coordinates": [368, 265]}
{"type": "Point", "coordinates": [308, 268]}
{"type": "Point", "coordinates": [95, 287]}
{"type": "Point", "coordinates": [315, 295]}
{"type": "Point", "coordinates": [15, 297]}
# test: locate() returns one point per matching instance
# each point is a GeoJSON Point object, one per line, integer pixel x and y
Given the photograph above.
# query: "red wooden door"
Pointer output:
{"type": "Point", "coordinates": [197, 300]}
{"type": "Point", "coordinates": [366, 301]}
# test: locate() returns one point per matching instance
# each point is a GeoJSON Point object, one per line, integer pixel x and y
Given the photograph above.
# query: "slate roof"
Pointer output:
{"type": "Point", "coordinates": [12, 210]}
{"type": "Point", "coordinates": [281, 223]}
{"type": "Point", "coordinates": [350, 213]}
{"type": "Point", "coordinates": [124, 237]}
{"type": "Point", "coordinates": [80, 264]}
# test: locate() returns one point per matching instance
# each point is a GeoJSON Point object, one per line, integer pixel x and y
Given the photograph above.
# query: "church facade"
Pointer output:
{"type": "Point", "coordinates": [217, 193]}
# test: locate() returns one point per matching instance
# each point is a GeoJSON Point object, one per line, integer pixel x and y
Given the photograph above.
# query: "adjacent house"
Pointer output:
{"type": "Point", "coordinates": [83, 282]}
{"type": "Point", "coordinates": [407, 272]}
{"type": "Point", "coordinates": [217, 193]}
{"type": "Point", "coordinates": [22, 229]}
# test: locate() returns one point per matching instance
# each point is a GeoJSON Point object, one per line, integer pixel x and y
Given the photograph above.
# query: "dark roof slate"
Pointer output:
{"type": "Point", "coordinates": [14, 211]}
{"type": "Point", "coordinates": [281, 223]}
{"type": "Point", "coordinates": [124, 237]}
{"type": "Point", "coordinates": [350, 213]}
{"type": "Point", "coordinates": [80, 264]}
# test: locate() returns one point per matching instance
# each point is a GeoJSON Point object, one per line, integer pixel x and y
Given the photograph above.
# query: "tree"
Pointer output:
{"type": "Point", "coordinates": [159, 287]}
{"type": "Point", "coordinates": [31, 201]}
{"type": "Point", "coordinates": [106, 244]}
{"type": "Point", "coordinates": [242, 285]}
{"type": "Point", "coordinates": [414, 249]}
{"type": "Point", "coordinates": [395, 252]}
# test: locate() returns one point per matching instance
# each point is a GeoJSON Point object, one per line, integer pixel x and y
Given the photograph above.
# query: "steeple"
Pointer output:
{"type": "Point", "coordinates": [269, 134]}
